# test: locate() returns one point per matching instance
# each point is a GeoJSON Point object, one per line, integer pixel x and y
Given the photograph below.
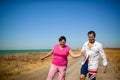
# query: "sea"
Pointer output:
{"type": "Point", "coordinates": [2, 52]}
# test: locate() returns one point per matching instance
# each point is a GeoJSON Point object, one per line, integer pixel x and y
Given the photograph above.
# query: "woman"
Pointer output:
{"type": "Point", "coordinates": [59, 59]}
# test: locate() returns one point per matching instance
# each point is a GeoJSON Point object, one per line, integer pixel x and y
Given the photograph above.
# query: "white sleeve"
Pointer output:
{"type": "Point", "coordinates": [83, 47]}
{"type": "Point", "coordinates": [102, 53]}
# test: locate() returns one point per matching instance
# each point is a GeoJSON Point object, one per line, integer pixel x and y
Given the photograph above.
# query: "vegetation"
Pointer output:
{"type": "Point", "coordinates": [15, 64]}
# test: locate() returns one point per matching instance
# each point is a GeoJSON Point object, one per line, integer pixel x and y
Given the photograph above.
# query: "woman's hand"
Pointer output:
{"type": "Point", "coordinates": [42, 58]}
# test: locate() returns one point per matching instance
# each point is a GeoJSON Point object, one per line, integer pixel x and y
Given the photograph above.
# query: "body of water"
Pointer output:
{"type": "Point", "coordinates": [22, 51]}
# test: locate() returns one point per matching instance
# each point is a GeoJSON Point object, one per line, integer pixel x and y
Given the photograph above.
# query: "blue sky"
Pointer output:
{"type": "Point", "coordinates": [39, 24]}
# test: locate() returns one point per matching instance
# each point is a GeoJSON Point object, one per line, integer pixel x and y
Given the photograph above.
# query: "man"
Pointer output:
{"type": "Point", "coordinates": [91, 58]}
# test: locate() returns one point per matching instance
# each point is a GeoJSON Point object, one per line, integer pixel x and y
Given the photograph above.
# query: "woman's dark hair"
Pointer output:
{"type": "Point", "coordinates": [62, 38]}
{"type": "Point", "coordinates": [92, 32]}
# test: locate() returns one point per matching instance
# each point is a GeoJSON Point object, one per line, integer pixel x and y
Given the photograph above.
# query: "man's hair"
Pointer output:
{"type": "Point", "coordinates": [92, 32]}
{"type": "Point", "coordinates": [62, 38]}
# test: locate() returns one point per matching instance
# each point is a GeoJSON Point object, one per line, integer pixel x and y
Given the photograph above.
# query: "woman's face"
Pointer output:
{"type": "Point", "coordinates": [62, 42]}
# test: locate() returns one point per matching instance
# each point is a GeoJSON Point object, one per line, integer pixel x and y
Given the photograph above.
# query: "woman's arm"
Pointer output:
{"type": "Point", "coordinates": [47, 55]}
{"type": "Point", "coordinates": [77, 55]}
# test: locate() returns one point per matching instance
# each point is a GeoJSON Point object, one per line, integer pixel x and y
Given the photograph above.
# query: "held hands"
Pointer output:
{"type": "Point", "coordinates": [83, 52]}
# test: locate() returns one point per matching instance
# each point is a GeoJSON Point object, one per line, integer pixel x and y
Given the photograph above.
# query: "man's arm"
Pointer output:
{"type": "Point", "coordinates": [102, 53]}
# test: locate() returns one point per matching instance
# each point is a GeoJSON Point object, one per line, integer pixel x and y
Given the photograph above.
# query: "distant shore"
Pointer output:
{"type": "Point", "coordinates": [24, 51]}
{"type": "Point", "coordinates": [113, 48]}
{"type": "Point", "coordinates": [2, 52]}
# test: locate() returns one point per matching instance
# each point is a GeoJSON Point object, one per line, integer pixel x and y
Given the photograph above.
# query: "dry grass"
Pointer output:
{"type": "Point", "coordinates": [15, 64]}
{"type": "Point", "coordinates": [114, 56]}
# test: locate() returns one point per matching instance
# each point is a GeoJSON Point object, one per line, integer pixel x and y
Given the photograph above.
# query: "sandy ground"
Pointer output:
{"type": "Point", "coordinates": [73, 72]}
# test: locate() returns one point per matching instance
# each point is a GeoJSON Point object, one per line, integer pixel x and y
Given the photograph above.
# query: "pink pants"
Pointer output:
{"type": "Point", "coordinates": [54, 69]}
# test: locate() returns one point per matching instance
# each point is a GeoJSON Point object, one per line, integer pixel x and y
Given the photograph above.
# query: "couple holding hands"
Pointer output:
{"type": "Point", "coordinates": [90, 52]}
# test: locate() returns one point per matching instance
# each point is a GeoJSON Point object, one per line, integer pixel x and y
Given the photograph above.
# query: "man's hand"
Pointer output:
{"type": "Point", "coordinates": [105, 69]}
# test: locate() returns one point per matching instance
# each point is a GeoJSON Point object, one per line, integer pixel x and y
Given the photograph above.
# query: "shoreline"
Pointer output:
{"type": "Point", "coordinates": [27, 51]}
{"type": "Point", "coordinates": [2, 52]}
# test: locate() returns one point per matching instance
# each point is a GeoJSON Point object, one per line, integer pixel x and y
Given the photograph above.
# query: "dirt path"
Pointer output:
{"type": "Point", "coordinates": [73, 72]}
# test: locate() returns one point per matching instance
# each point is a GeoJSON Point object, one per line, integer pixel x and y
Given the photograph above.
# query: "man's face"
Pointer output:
{"type": "Point", "coordinates": [91, 38]}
